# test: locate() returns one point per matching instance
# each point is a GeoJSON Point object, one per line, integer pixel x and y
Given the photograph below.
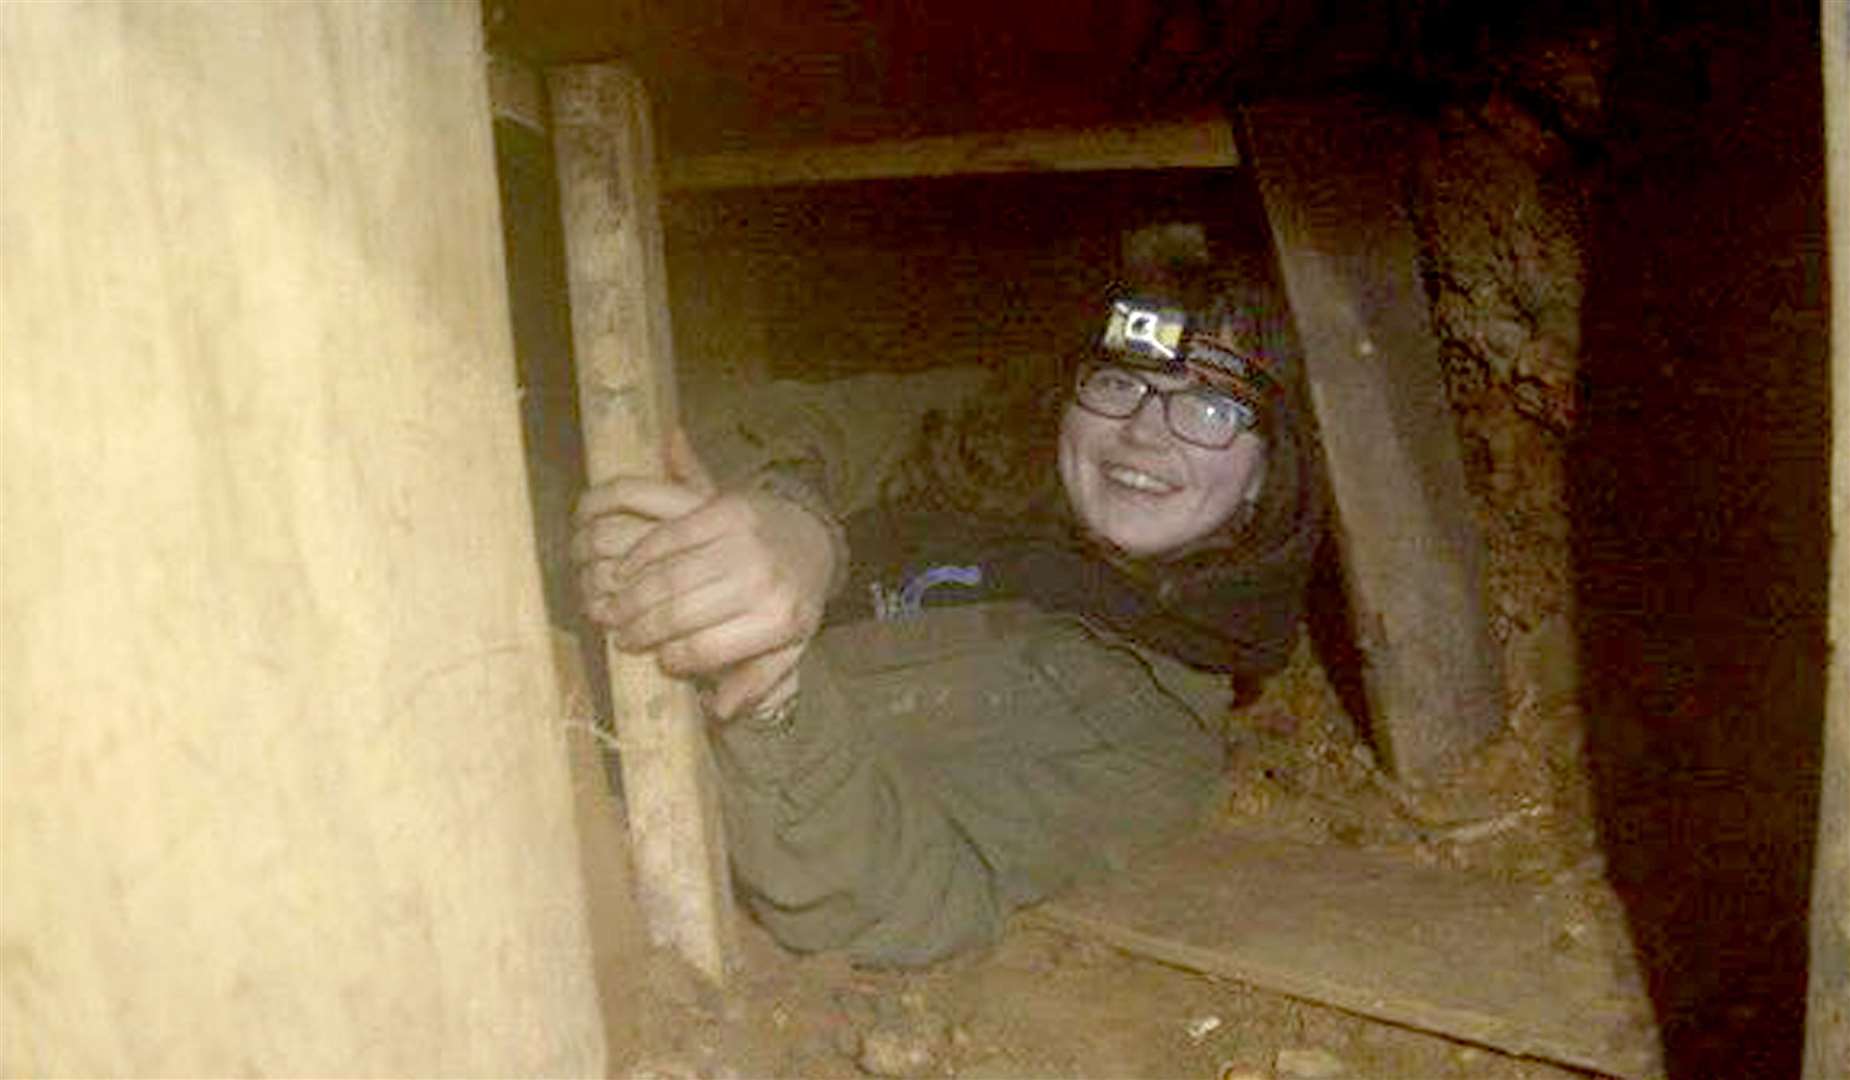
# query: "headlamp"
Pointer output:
{"type": "Point", "coordinates": [1143, 333]}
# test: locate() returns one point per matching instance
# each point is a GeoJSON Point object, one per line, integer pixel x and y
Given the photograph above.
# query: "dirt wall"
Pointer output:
{"type": "Point", "coordinates": [1699, 482]}
{"type": "Point", "coordinates": [1623, 219]}
{"type": "Point", "coordinates": [836, 279]}
{"type": "Point", "coordinates": [282, 765]}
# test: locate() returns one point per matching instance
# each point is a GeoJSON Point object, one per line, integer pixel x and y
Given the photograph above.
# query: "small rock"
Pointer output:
{"type": "Point", "coordinates": [1230, 1071]}
{"type": "Point", "coordinates": [1201, 1027]}
{"type": "Point", "coordinates": [1545, 660]}
{"type": "Point", "coordinates": [1274, 719]}
{"type": "Point", "coordinates": [906, 1051]}
{"type": "Point", "coordinates": [1086, 952]}
{"type": "Point", "coordinates": [660, 1069]}
{"type": "Point", "coordinates": [1521, 131]}
{"type": "Point", "coordinates": [1001, 1067]}
{"type": "Point", "coordinates": [1308, 1063]}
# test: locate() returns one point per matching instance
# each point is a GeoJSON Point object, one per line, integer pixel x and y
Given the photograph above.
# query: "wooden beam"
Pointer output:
{"type": "Point", "coordinates": [1827, 1018]}
{"type": "Point", "coordinates": [1541, 971]}
{"type": "Point", "coordinates": [516, 92]}
{"type": "Point", "coordinates": [1330, 174]}
{"type": "Point", "coordinates": [1190, 144]}
{"type": "Point", "coordinates": [624, 349]}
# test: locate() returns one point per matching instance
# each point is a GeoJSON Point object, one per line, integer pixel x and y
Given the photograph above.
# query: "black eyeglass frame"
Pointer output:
{"type": "Point", "coordinates": [1089, 368]}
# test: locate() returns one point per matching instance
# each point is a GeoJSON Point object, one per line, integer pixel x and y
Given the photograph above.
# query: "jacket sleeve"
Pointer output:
{"type": "Point", "coordinates": [842, 438]}
{"type": "Point", "coordinates": [836, 846]}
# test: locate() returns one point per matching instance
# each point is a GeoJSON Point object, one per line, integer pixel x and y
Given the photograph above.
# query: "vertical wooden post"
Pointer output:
{"type": "Point", "coordinates": [1331, 174]}
{"type": "Point", "coordinates": [1827, 1018]}
{"type": "Point", "coordinates": [624, 349]}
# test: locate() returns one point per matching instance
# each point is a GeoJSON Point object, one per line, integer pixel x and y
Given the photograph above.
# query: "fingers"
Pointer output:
{"type": "Point", "coordinates": [627, 567]}
{"type": "Point", "coordinates": [717, 596]}
{"type": "Point", "coordinates": [707, 610]}
{"type": "Point", "coordinates": [684, 465]}
{"type": "Point", "coordinates": [640, 496]}
{"type": "Point", "coordinates": [730, 642]}
{"type": "Point", "coordinates": [640, 522]}
{"type": "Point", "coordinates": [613, 517]}
{"type": "Point", "coordinates": [712, 522]}
{"type": "Point", "coordinates": [608, 539]}
{"type": "Point", "coordinates": [729, 587]}
{"type": "Point", "coordinates": [762, 680]}
{"type": "Point", "coordinates": [660, 607]}
{"type": "Point", "coordinates": [687, 485]}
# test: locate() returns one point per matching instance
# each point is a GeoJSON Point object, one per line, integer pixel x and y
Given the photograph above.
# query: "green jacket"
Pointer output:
{"type": "Point", "coordinates": [942, 770]}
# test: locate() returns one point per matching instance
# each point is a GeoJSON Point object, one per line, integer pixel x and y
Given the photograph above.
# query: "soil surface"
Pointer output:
{"type": "Point", "coordinates": [1040, 1004]}
{"type": "Point", "coordinates": [1043, 1002]}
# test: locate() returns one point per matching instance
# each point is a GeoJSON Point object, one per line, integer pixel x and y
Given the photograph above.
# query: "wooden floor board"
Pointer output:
{"type": "Point", "coordinates": [1533, 970]}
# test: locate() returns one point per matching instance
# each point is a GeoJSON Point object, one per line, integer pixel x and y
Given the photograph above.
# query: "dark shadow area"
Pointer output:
{"type": "Point", "coordinates": [912, 273]}
{"type": "Point", "coordinates": [1329, 622]}
{"type": "Point", "coordinates": [540, 313]}
{"type": "Point", "coordinates": [541, 318]}
{"type": "Point", "coordinates": [1700, 485]}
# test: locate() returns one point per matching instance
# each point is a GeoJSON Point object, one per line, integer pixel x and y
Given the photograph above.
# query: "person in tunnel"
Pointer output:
{"type": "Point", "coordinates": [958, 657]}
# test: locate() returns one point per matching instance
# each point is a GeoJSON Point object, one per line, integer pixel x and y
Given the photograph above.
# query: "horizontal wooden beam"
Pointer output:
{"type": "Point", "coordinates": [1189, 144]}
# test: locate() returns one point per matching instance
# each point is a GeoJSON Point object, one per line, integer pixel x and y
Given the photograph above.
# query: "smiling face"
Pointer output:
{"type": "Point", "coordinates": [1132, 483]}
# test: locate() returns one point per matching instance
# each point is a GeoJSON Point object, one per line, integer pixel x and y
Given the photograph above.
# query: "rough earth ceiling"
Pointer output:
{"type": "Point", "coordinates": [731, 74]}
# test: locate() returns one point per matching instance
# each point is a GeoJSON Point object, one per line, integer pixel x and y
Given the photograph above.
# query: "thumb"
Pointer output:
{"type": "Point", "coordinates": [684, 465]}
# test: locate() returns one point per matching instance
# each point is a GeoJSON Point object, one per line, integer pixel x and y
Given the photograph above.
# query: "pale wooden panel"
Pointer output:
{"type": "Point", "coordinates": [1332, 176]}
{"type": "Point", "coordinates": [1827, 1018]}
{"type": "Point", "coordinates": [1524, 969]}
{"type": "Point", "coordinates": [619, 942]}
{"type": "Point", "coordinates": [1187, 144]}
{"type": "Point", "coordinates": [284, 780]}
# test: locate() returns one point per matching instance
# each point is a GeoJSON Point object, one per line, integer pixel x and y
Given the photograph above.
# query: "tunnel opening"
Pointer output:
{"type": "Point", "coordinates": [1642, 402]}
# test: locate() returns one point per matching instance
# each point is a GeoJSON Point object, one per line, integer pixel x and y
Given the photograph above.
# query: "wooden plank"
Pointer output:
{"type": "Point", "coordinates": [283, 785]}
{"type": "Point", "coordinates": [516, 93]}
{"type": "Point", "coordinates": [1189, 144]}
{"type": "Point", "coordinates": [1827, 1018]}
{"type": "Point", "coordinates": [624, 350]}
{"type": "Point", "coordinates": [1331, 174]}
{"type": "Point", "coordinates": [1525, 970]}
{"type": "Point", "coordinates": [619, 941]}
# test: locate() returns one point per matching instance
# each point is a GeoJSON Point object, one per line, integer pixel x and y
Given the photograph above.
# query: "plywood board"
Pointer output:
{"type": "Point", "coordinates": [1523, 969]}
{"type": "Point", "coordinates": [283, 783]}
{"type": "Point", "coordinates": [1333, 175]}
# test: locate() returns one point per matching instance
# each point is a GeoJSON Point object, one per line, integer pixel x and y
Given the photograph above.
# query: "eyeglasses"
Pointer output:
{"type": "Point", "coordinates": [1196, 414]}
